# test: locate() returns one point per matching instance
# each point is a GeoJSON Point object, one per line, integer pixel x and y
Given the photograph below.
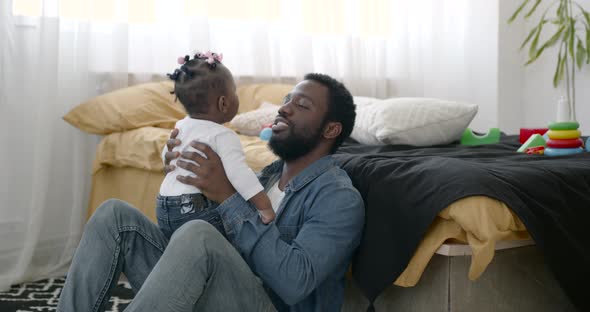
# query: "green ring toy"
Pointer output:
{"type": "Point", "coordinates": [564, 125]}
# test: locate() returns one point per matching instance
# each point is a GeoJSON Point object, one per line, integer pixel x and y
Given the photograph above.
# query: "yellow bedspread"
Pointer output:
{"type": "Point", "coordinates": [129, 167]}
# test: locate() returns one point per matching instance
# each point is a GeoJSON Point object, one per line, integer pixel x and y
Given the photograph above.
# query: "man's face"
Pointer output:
{"type": "Point", "coordinates": [298, 128]}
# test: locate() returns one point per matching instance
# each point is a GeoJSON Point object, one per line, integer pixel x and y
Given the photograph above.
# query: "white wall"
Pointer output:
{"type": "Point", "coordinates": [482, 59]}
{"type": "Point", "coordinates": [526, 97]}
{"type": "Point", "coordinates": [510, 70]}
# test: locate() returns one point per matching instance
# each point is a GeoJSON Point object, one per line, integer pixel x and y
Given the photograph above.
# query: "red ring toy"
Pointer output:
{"type": "Point", "coordinates": [569, 143]}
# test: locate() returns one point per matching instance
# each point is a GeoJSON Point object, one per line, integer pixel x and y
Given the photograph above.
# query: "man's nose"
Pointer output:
{"type": "Point", "coordinates": [286, 109]}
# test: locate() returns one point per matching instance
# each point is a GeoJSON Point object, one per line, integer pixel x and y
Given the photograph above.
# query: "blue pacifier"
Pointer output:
{"type": "Point", "coordinates": [265, 134]}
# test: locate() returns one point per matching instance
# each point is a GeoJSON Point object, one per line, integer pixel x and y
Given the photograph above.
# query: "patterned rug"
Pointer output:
{"type": "Point", "coordinates": [42, 296]}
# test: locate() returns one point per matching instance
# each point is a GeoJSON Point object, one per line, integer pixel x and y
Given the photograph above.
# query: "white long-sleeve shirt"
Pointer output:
{"type": "Point", "coordinates": [225, 143]}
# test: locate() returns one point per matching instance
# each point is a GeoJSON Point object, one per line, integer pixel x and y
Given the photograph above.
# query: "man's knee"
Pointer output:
{"type": "Point", "coordinates": [198, 232]}
{"type": "Point", "coordinates": [111, 211]}
{"type": "Point", "coordinates": [197, 228]}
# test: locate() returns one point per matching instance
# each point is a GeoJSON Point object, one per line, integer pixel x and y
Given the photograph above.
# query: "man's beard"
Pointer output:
{"type": "Point", "coordinates": [295, 145]}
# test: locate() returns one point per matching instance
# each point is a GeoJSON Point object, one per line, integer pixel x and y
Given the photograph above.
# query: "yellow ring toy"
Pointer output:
{"type": "Point", "coordinates": [564, 134]}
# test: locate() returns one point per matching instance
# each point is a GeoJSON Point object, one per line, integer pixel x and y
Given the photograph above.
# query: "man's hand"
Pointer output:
{"type": "Point", "coordinates": [211, 178]}
{"type": "Point", "coordinates": [170, 155]}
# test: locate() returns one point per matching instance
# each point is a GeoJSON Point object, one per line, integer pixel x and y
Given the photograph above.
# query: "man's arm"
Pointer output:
{"type": "Point", "coordinates": [326, 241]}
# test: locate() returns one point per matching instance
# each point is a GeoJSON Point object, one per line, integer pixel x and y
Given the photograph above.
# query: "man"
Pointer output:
{"type": "Point", "coordinates": [296, 263]}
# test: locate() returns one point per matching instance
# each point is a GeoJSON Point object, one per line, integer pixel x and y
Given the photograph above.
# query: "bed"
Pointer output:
{"type": "Point", "coordinates": [405, 188]}
{"type": "Point", "coordinates": [128, 166]}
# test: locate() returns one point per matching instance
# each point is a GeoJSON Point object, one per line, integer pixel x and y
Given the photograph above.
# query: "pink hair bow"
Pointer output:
{"type": "Point", "coordinates": [211, 57]}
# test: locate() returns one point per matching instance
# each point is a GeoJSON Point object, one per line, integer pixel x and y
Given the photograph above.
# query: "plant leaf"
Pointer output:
{"type": "Point", "coordinates": [586, 15]}
{"type": "Point", "coordinates": [557, 69]}
{"type": "Point", "coordinates": [515, 14]}
{"type": "Point", "coordinates": [533, 47]}
{"type": "Point", "coordinates": [553, 40]}
{"type": "Point", "coordinates": [561, 69]}
{"type": "Point", "coordinates": [580, 54]}
{"type": "Point", "coordinates": [528, 38]}
{"type": "Point", "coordinates": [571, 38]}
{"type": "Point", "coordinates": [533, 9]}
{"type": "Point", "coordinates": [587, 28]}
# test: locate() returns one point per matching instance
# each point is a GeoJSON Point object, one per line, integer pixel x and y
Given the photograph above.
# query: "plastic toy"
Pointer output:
{"type": "Point", "coordinates": [562, 151]}
{"type": "Point", "coordinates": [265, 134]}
{"type": "Point", "coordinates": [570, 143]}
{"type": "Point", "coordinates": [471, 139]}
{"type": "Point", "coordinates": [563, 134]}
{"type": "Point", "coordinates": [538, 150]}
{"type": "Point", "coordinates": [525, 133]}
{"type": "Point", "coordinates": [534, 141]}
{"type": "Point", "coordinates": [564, 125]}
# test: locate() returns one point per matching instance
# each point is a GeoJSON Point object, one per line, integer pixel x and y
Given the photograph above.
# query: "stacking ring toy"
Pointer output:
{"type": "Point", "coordinates": [570, 143]}
{"type": "Point", "coordinates": [563, 134]}
{"type": "Point", "coordinates": [562, 151]}
{"type": "Point", "coordinates": [564, 125]}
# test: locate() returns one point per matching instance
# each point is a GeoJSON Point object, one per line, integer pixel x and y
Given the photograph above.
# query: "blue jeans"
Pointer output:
{"type": "Point", "coordinates": [174, 211]}
{"type": "Point", "coordinates": [196, 270]}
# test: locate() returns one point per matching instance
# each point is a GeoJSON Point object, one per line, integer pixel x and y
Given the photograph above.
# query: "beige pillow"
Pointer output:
{"type": "Point", "coordinates": [142, 149]}
{"type": "Point", "coordinates": [258, 154]}
{"type": "Point", "coordinates": [252, 96]}
{"type": "Point", "coordinates": [149, 104]}
{"type": "Point", "coordinates": [250, 123]}
{"type": "Point", "coordinates": [139, 148]}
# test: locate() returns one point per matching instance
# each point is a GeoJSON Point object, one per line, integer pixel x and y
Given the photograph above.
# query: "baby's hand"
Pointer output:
{"type": "Point", "coordinates": [267, 215]}
{"type": "Point", "coordinates": [264, 207]}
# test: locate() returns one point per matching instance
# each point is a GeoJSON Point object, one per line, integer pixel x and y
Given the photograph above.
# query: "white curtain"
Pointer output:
{"type": "Point", "coordinates": [72, 50]}
{"type": "Point", "coordinates": [44, 163]}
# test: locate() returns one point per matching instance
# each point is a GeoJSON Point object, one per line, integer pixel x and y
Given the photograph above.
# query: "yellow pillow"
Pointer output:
{"type": "Point", "coordinates": [142, 149]}
{"type": "Point", "coordinates": [258, 154]}
{"type": "Point", "coordinates": [252, 96]}
{"type": "Point", "coordinates": [149, 104]}
{"type": "Point", "coordinates": [139, 148]}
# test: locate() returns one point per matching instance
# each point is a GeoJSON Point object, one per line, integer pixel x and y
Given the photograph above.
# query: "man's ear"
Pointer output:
{"type": "Point", "coordinates": [222, 104]}
{"type": "Point", "coordinates": [332, 130]}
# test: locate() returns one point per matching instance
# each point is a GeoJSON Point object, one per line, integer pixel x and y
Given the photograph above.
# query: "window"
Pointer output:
{"type": "Point", "coordinates": [27, 8]}
{"type": "Point", "coordinates": [367, 18]}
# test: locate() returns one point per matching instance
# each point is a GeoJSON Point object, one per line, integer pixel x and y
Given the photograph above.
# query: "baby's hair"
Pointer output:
{"type": "Point", "coordinates": [199, 78]}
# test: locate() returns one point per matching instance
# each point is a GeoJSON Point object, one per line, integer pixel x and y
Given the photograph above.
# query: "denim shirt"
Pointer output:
{"type": "Point", "coordinates": [304, 254]}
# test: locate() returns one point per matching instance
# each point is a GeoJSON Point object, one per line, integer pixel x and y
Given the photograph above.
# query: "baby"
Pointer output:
{"type": "Point", "coordinates": [207, 90]}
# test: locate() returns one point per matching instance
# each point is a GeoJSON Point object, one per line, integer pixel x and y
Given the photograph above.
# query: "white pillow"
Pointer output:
{"type": "Point", "coordinates": [412, 121]}
{"type": "Point", "coordinates": [251, 123]}
{"type": "Point", "coordinates": [361, 101]}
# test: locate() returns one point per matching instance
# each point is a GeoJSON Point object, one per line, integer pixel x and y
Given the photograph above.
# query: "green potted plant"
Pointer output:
{"type": "Point", "coordinates": [571, 25]}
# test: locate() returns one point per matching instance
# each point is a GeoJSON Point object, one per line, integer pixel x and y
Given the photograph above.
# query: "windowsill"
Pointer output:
{"type": "Point", "coordinates": [26, 21]}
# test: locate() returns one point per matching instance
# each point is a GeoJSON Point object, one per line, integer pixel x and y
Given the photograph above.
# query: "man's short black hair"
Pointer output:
{"type": "Point", "coordinates": [341, 106]}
